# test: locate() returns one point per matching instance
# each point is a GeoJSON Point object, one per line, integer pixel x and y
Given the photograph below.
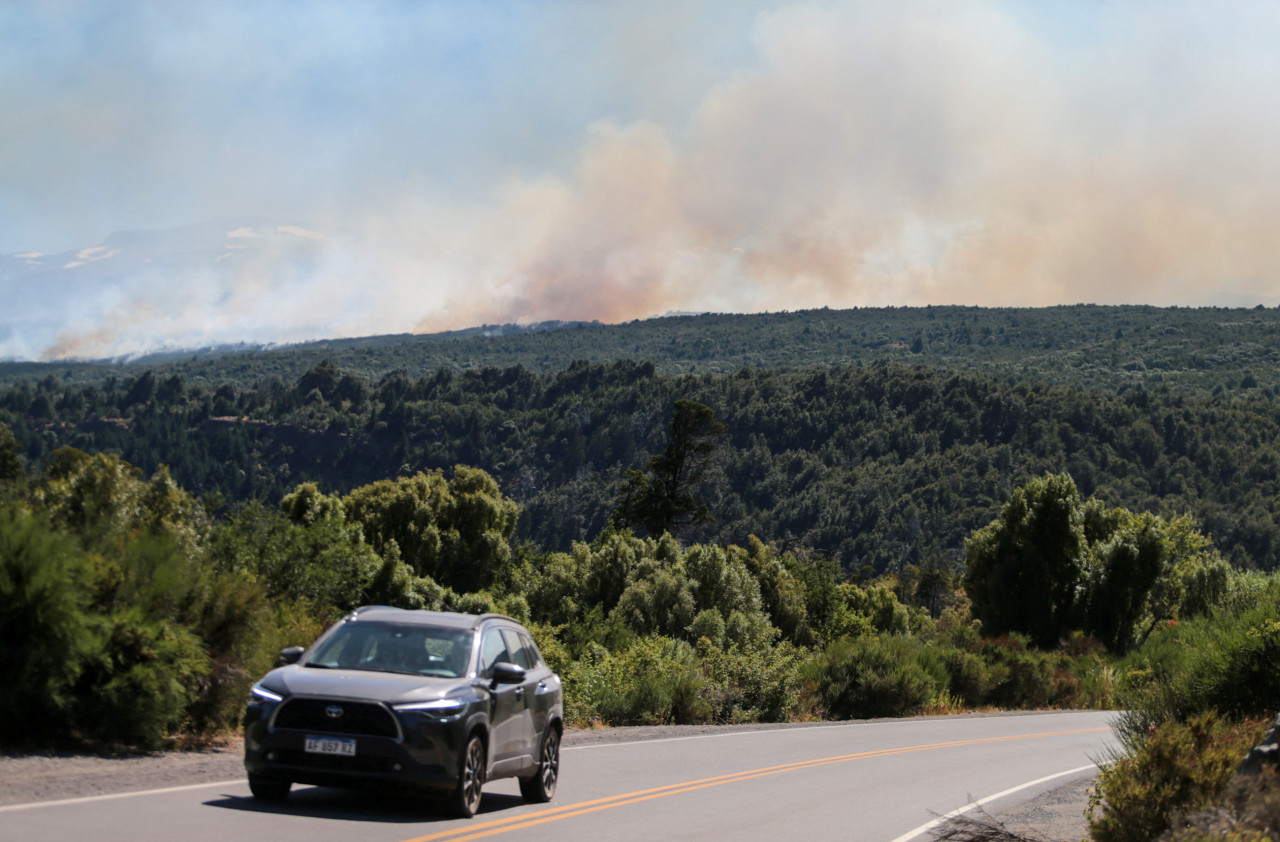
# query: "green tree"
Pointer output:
{"type": "Point", "coordinates": [1123, 566]}
{"type": "Point", "coordinates": [327, 563]}
{"type": "Point", "coordinates": [1052, 564]}
{"type": "Point", "coordinates": [660, 602]}
{"type": "Point", "coordinates": [721, 580]}
{"type": "Point", "coordinates": [1024, 567]}
{"type": "Point", "coordinates": [102, 499]}
{"type": "Point", "coordinates": [782, 594]}
{"type": "Point", "coordinates": [95, 496]}
{"type": "Point", "coordinates": [324, 378]}
{"type": "Point", "coordinates": [664, 499]}
{"type": "Point", "coordinates": [11, 467]}
{"type": "Point", "coordinates": [456, 532]}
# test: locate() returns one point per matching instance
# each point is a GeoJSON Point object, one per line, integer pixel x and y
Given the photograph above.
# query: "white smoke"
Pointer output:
{"type": "Point", "coordinates": [859, 153]}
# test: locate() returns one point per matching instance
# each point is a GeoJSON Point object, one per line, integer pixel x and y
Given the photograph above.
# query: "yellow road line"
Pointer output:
{"type": "Point", "coordinates": [526, 820]}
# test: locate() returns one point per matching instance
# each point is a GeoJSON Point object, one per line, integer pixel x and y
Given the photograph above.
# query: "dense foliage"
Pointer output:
{"type": "Point", "coordinates": [1098, 348]}
{"type": "Point", "coordinates": [876, 466]}
{"type": "Point", "coordinates": [131, 612]}
{"type": "Point", "coordinates": [1052, 564]}
{"type": "Point", "coordinates": [1196, 696]}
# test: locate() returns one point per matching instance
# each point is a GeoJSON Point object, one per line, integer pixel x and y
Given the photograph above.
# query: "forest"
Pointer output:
{"type": "Point", "coordinates": [875, 535]}
{"type": "Point", "coordinates": [875, 466]}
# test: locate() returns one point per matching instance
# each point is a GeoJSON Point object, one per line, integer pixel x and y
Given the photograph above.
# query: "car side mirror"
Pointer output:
{"type": "Point", "coordinates": [506, 673]}
{"type": "Point", "coordinates": [290, 655]}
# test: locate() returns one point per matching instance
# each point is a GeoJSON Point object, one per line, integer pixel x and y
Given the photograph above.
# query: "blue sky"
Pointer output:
{"type": "Point", "coordinates": [516, 161]}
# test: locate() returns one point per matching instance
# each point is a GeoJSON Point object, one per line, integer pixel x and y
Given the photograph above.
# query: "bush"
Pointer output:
{"type": "Point", "coordinates": [1028, 674]}
{"type": "Point", "coordinates": [138, 687]}
{"type": "Point", "coordinates": [867, 677]}
{"type": "Point", "coordinates": [757, 684]}
{"type": "Point", "coordinates": [1224, 662]}
{"type": "Point", "coordinates": [1178, 768]}
{"type": "Point", "coordinates": [970, 678]}
{"type": "Point", "coordinates": [654, 681]}
{"type": "Point", "coordinates": [44, 626]}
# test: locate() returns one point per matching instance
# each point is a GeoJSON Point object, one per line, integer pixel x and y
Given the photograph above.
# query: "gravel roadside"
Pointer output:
{"type": "Point", "coordinates": [1057, 815]}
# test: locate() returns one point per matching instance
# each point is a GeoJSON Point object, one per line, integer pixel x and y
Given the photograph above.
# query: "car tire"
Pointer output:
{"type": "Point", "coordinates": [541, 787]}
{"type": "Point", "coordinates": [465, 800]}
{"type": "Point", "coordinates": [266, 789]}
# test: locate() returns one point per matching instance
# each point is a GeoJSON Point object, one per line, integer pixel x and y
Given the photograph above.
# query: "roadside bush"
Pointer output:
{"type": "Point", "coordinates": [1178, 768]}
{"type": "Point", "coordinates": [45, 635]}
{"type": "Point", "coordinates": [1097, 682]}
{"type": "Point", "coordinates": [137, 688]}
{"type": "Point", "coordinates": [654, 681]}
{"type": "Point", "coordinates": [1223, 662]}
{"type": "Point", "coordinates": [971, 679]}
{"type": "Point", "coordinates": [866, 677]}
{"type": "Point", "coordinates": [1028, 673]}
{"type": "Point", "coordinates": [755, 684]}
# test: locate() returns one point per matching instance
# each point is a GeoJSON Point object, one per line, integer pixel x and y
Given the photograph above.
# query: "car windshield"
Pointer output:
{"type": "Point", "coordinates": [391, 647]}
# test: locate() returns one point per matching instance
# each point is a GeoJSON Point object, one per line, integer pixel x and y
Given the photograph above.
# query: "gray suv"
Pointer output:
{"type": "Point", "coordinates": [422, 700]}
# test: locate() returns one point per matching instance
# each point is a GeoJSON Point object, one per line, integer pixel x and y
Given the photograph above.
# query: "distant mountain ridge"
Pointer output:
{"type": "Point", "coordinates": [1108, 348]}
{"type": "Point", "coordinates": [331, 345]}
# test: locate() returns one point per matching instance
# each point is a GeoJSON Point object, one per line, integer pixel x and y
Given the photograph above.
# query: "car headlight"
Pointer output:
{"type": "Point", "coordinates": [258, 693]}
{"type": "Point", "coordinates": [439, 708]}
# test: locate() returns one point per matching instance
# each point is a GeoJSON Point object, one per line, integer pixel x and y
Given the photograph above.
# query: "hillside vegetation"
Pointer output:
{"type": "Point", "coordinates": [1093, 347]}
{"type": "Point", "coordinates": [711, 519]}
{"type": "Point", "coordinates": [876, 465]}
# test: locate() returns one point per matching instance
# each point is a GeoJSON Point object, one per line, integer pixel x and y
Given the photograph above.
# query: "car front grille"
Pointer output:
{"type": "Point", "coordinates": [356, 718]}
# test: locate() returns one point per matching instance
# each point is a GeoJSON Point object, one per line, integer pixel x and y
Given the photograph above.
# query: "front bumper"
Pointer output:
{"type": "Point", "coordinates": [423, 757]}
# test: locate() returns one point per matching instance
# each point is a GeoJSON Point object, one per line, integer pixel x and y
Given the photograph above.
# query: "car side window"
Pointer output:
{"type": "Point", "coordinates": [531, 650]}
{"type": "Point", "coordinates": [492, 650]}
{"type": "Point", "coordinates": [515, 647]}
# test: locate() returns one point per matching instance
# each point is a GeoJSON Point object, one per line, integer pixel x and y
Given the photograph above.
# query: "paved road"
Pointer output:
{"type": "Point", "coordinates": [874, 781]}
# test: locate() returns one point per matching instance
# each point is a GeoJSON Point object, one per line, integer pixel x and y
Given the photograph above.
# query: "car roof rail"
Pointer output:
{"type": "Point", "coordinates": [363, 608]}
{"type": "Point", "coordinates": [492, 616]}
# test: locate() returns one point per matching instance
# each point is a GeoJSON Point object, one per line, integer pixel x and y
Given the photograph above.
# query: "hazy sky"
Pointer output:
{"type": "Point", "coordinates": [478, 162]}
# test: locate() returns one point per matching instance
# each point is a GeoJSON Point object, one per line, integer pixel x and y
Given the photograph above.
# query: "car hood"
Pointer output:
{"type": "Point", "coordinates": [394, 688]}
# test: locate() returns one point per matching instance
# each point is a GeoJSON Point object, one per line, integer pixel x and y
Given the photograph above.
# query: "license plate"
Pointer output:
{"type": "Point", "coordinates": [331, 745]}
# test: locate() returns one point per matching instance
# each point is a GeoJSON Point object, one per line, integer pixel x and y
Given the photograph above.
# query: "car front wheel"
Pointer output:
{"type": "Point", "coordinates": [541, 787]}
{"type": "Point", "coordinates": [466, 796]}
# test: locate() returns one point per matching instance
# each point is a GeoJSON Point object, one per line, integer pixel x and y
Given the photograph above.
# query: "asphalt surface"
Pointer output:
{"type": "Point", "coordinates": [879, 780]}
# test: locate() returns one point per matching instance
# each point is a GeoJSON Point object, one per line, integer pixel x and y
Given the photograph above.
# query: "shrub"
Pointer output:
{"type": "Point", "coordinates": [138, 687]}
{"type": "Point", "coordinates": [44, 596]}
{"type": "Point", "coordinates": [1223, 662]}
{"type": "Point", "coordinates": [654, 681]}
{"type": "Point", "coordinates": [1028, 673]}
{"type": "Point", "coordinates": [708, 625]}
{"type": "Point", "coordinates": [1179, 767]}
{"type": "Point", "coordinates": [754, 684]}
{"type": "Point", "coordinates": [970, 678]}
{"type": "Point", "coordinates": [875, 676]}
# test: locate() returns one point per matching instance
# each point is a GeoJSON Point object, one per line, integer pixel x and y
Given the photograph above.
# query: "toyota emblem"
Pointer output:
{"type": "Point", "coordinates": [333, 711]}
